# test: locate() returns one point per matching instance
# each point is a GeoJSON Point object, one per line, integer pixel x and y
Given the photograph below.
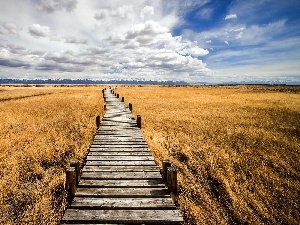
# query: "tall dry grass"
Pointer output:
{"type": "Point", "coordinates": [236, 149]}
{"type": "Point", "coordinates": [41, 130]}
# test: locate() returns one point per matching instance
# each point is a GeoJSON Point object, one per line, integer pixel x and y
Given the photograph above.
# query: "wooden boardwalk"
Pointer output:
{"type": "Point", "coordinates": [120, 182]}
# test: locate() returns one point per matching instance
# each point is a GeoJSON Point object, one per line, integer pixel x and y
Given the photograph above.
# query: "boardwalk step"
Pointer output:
{"type": "Point", "coordinates": [140, 192]}
{"type": "Point", "coordinates": [116, 175]}
{"type": "Point", "coordinates": [121, 183]}
{"type": "Point", "coordinates": [122, 203]}
{"type": "Point", "coordinates": [118, 153]}
{"type": "Point", "coordinates": [120, 163]}
{"type": "Point", "coordinates": [123, 216]}
{"type": "Point", "coordinates": [120, 168]}
{"type": "Point", "coordinates": [118, 158]}
{"type": "Point", "coordinates": [120, 149]}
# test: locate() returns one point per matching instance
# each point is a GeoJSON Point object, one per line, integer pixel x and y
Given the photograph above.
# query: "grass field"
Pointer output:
{"type": "Point", "coordinates": [41, 130]}
{"type": "Point", "coordinates": [237, 149]}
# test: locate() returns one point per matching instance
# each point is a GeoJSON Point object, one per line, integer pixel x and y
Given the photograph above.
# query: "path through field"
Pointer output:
{"type": "Point", "coordinates": [120, 181]}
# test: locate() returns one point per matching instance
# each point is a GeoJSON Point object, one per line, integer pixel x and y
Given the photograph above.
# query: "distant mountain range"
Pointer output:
{"type": "Point", "coordinates": [86, 81]}
{"type": "Point", "coordinates": [141, 82]}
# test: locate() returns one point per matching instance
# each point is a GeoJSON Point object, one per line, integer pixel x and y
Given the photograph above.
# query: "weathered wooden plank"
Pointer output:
{"type": "Point", "coordinates": [121, 146]}
{"type": "Point", "coordinates": [122, 203]}
{"type": "Point", "coordinates": [105, 134]}
{"type": "Point", "coordinates": [118, 133]}
{"type": "Point", "coordinates": [118, 142]}
{"type": "Point", "coordinates": [117, 158]}
{"type": "Point", "coordinates": [116, 139]}
{"type": "Point", "coordinates": [122, 137]}
{"type": "Point", "coordinates": [120, 168]}
{"type": "Point", "coordinates": [123, 192]}
{"type": "Point", "coordinates": [120, 163]}
{"type": "Point", "coordinates": [120, 149]}
{"type": "Point", "coordinates": [123, 216]}
{"type": "Point", "coordinates": [116, 175]}
{"type": "Point", "coordinates": [121, 183]}
{"type": "Point", "coordinates": [117, 153]}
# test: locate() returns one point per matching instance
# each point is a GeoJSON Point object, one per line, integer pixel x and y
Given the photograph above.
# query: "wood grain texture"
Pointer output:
{"type": "Point", "coordinates": [138, 192]}
{"type": "Point", "coordinates": [123, 216]}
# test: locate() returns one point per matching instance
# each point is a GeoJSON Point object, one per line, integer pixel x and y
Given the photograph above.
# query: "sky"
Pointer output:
{"type": "Point", "coordinates": [181, 40]}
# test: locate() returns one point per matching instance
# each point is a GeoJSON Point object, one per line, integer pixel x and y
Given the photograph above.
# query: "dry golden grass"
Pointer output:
{"type": "Point", "coordinates": [41, 130]}
{"type": "Point", "coordinates": [236, 149]}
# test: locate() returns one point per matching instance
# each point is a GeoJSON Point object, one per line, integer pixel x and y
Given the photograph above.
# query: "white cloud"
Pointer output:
{"type": "Point", "coordinates": [56, 5]}
{"type": "Point", "coordinates": [195, 51]}
{"type": "Point", "coordinates": [75, 40]}
{"type": "Point", "coordinates": [205, 13]}
{"type": "Point", "coordinates": [123, 12]}
{"type": "Point", "coordinates": [146, 11]}
{"type": "Point", "coordinates": [230, 16]}
{"type": "Point", "coordinates": [37, 30]}
{"type": "Point", "coordinates": [149, 30]}
{"type": "Point", "coordinates": [10, 29]}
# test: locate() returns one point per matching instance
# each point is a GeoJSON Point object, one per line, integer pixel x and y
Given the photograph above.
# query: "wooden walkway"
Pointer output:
{"type": "Point", "coordinates": [120, 183]}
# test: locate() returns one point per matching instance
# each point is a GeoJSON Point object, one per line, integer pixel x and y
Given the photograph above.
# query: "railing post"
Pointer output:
{"type": "Point", "coordinates": [70, 183]}
{"type": "Point", "coordinates": [139, 121]}
{"type": "Point", "coordinates": [172, 182]}
{"type": "Point", "coordinates": [165, 165]}
{"type": "Point", "coordinates": [104, 106]}
{"type": "Point", "coordinates": [98, 118]}
{"type": "Point", "coordinates": [75, 164]}
{"type": "Point", "coordinates": [117, 95]}
{"type": "Point", "coordinates": [122, 99]}
{"type": "Point", "coordinates": [130, 106]}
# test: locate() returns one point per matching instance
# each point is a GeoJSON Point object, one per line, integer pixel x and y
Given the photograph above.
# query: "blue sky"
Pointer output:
{"type": "Point", "coordinates": [190, 40]}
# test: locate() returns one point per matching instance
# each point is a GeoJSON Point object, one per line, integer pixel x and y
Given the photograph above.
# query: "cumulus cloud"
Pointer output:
{"type": "Point", "coordinates": [194, 51]}
{"type": "Point", "coordinates": [37, 30]}
{"type": "Point", "coordinates": [230, 16]}
{"type": "Point", "coordinates": [9, 29]}
{"type": "Point", "coordinates": [55, 5]}
{"type": "Point", "coordinates": [14, 63]}
{"type": "Point", "coordinates": [123, 12]}
{"type": "Point", "coordinates": [148, 33]}
{"type": "Point", "coordinates": [147, 10]}
{"type": "Point", "coordinates": [75, 40]}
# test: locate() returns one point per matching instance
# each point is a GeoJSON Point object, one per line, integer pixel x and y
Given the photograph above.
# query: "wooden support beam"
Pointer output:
{"type": "Point", "coordinates": [172, 179]}
{"type": "Point", "coordinates": [75, 164]}
{"type": "Point", "coordinates": [98, 118]}
{"type": "Point", "coordinates": [165, 165]}
{"type": "Point", "coordinates": [172, 182]}
{"type": "Point", "coordinates": [130, 107]}
{"type": "Point", "coordinates": [139, 121]}
{"type": "Point", "coordinates": [70, 183]}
